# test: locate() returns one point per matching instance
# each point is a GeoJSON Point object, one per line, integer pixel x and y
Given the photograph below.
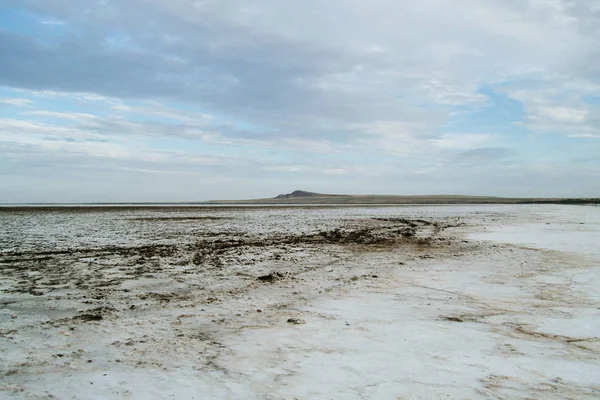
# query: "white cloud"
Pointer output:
{"type": "Point", "coordinates": [445, 94]}
{"type": "Point", "coordinates": [463, 141]}
{"type": "Point", "coordinates": [288, 168]}
{"type": "Point", "coordinates": [557, 105]}
{"type": "Point", "coordinates": [562, 114]}
{"type": "Point", "coordinates": [17, 102]}
{"type": "Point", "coordinates": [62, 115]}
{"type": "Point", "coordinates": [53, 22]}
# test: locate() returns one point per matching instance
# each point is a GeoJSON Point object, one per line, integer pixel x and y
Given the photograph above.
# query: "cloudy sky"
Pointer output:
{"type": "Point", "coordinates": [183, 100]}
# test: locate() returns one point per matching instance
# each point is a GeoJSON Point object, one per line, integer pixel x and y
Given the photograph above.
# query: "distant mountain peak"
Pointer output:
{"type": "Point", "coordinates": [297, 193]}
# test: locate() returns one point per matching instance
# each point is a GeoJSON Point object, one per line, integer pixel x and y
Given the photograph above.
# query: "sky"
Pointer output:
{"type": "Point", "coordinates": [190, 100]}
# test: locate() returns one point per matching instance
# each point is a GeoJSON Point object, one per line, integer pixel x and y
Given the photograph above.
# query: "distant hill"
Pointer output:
{"type": "Point", "coordinates": [305, 197]}
{"type": "Point", "coordinates": [298, 193]}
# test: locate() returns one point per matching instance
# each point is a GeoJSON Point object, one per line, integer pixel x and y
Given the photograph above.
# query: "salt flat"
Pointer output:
{"type": "Point", "coordinates": [391, 302]}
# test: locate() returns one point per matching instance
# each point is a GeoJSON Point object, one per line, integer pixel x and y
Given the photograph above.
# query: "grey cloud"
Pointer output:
{"type": "Point", "coordinates": [39, 157]}
{"type": "Point", "coordinates": [372, 79]}
{"type": "Point", "coordinates": [292, 64]}
{"type": "Point", "coordinates": [270, 77]}
{"type": "Point", "coordinates": [77, 65]}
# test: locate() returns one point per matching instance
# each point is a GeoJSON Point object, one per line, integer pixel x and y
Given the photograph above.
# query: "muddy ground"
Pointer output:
{"type": "Point", "coordinates": [194, 304]}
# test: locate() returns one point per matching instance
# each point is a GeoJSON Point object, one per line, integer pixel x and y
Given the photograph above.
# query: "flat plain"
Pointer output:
{"type": "Point", "coordinates": [322, 302]}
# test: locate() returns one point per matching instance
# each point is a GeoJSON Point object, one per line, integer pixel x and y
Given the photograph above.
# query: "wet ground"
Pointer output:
{"type": "Point", "coordinates": [300, 302]}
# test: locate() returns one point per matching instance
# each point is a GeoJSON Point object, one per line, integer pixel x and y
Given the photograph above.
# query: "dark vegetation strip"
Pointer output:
{"type": "Point", "coordinates": [206, 218]}
{"type": "Point", "coordinates": [335, 201]}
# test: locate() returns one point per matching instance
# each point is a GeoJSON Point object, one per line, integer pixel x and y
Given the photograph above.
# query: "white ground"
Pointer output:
{"type": "Point", "coordinates": [512, 312]}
